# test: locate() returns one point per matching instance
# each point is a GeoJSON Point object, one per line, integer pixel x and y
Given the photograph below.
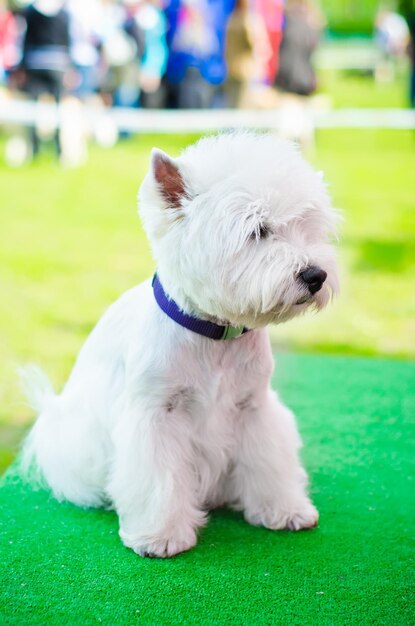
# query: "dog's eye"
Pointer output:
{"type": "Point", "coordinates": [261, 232]}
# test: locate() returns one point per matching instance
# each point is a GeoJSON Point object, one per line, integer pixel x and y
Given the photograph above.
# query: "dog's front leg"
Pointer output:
{"type": "Point", "coordinates": [154, 482]}
{"type": "Point", "coordinates": [268, 481]}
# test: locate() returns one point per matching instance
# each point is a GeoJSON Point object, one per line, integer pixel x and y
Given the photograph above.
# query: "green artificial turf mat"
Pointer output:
{"type": "Point", "coordinates": [63, 565]}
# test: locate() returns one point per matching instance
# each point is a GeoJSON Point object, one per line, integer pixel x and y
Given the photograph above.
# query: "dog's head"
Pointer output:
{"type": "Point", "coordinates": [240, 227]}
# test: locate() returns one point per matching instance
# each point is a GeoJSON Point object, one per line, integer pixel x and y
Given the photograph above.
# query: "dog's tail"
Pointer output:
{"type": "Point", "coordinates": [39, 394]}
{"type": "Point", "coordinates": [60, 452]}
{"type": "Point", "coordinates": [36, 387]}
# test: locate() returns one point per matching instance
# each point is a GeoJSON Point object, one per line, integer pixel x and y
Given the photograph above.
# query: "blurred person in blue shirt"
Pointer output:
{"type": "Point", "coordinates": [196, 39]}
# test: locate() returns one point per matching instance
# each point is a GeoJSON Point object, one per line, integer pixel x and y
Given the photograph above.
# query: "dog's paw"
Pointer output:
{"type": "Point", "coordinates": [160, 547]}
{"type": "Point", "coordinates": [303, 519]}
{"type": "Point", "coordinates": [300, 517]}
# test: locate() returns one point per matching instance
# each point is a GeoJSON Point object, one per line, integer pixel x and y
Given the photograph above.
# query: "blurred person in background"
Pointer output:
{"type": "Point", "coordinates": [240, 44]}
{"type": "Point", "coordinates": [147, 19]}
{"type": "Point", "coordinates": [45, 57]}
{"type": "Point", "coordinates": [407, 9]}
{"type": "Point", "coordinates": [296, 78]}
{"type": "Point", "coordinates": [84, 40]}
{"type": "Point", "coordinates": [9, 32]}
{"type": "Point", "coordinates": [301, 35]}
{"type": "Point", "coordinates": [196, 39]}
{"type": "Point", "coordinates": [411, 53]}
{"type": "Point", "coordinates": [252, 47]}
{"type": "Point", "coordinates": [82, 82]}
{"type": "Point", "coordinates": [135, 53]}
{"type": "Point", "coordinates": [122, 47]}
{"type": "Point", "coordinates": [46, 48]}
{"type": "Point", "coordinates": [392, 36]}
{"type": "Point", "coordinates": [12, 28]}
{"type": "Point", "coordinates": [152, 22]}
{"type": "Point", "coordinates": [271, 13]}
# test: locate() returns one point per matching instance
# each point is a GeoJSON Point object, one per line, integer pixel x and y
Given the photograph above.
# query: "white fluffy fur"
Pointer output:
{"type": "Point", "coordinates": [164, 424]}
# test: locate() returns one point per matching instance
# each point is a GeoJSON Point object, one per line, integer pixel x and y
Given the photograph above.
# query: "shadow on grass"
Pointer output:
{"type": "Point", "coordinates": [387, 256]}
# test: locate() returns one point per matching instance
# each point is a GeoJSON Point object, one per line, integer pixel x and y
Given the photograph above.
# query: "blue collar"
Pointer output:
{"type": "Point", "coordinates": [202, 327]}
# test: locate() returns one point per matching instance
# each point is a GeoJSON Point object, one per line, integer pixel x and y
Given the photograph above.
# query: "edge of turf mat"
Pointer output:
{"type": "Point", "coordinates": [65, 565]}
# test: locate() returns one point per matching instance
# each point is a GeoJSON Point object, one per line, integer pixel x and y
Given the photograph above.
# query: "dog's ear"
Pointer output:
{"type": "Point", "coordinates": [168, 178]}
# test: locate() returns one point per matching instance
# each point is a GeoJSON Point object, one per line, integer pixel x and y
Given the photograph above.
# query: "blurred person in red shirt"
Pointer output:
{"type": "Point", "coordinates": [271, 13]}
{"type": "Point", "coordinates": [9, 48]}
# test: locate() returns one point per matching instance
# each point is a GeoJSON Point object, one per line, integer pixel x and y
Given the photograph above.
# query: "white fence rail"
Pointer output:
{"type": "Point", "coordinates": [151, 121]}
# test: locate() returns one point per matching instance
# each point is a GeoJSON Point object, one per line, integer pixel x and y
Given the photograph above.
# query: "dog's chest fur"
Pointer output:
{"type": "Point", "coordinates": [213, 396]}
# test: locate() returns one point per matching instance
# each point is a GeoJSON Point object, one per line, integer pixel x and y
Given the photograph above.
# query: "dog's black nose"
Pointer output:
{"type": "Point", "coordinates": [314, 278]}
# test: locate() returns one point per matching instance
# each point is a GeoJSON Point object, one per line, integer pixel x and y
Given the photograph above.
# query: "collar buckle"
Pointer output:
{"type": "Point", "coordinates": [231, 332]}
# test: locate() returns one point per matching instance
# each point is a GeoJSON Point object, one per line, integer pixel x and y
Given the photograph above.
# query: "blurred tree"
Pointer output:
{"type": "Point", "coordinates": [407, 9]}
{"type": "Point", "coordinates": [350, 17]}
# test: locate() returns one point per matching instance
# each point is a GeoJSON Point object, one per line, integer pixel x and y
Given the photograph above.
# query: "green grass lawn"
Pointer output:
{"type": "Point", "coordinates": [72, 242]}
{"type": "Point", "coordinates": [66, 565]}
{"type": "Point", "coordinates": [357, 90]}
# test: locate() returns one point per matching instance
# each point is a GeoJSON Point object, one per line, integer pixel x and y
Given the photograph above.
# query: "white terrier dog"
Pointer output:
{"type": "Point", "coordinates": [169, 412]}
